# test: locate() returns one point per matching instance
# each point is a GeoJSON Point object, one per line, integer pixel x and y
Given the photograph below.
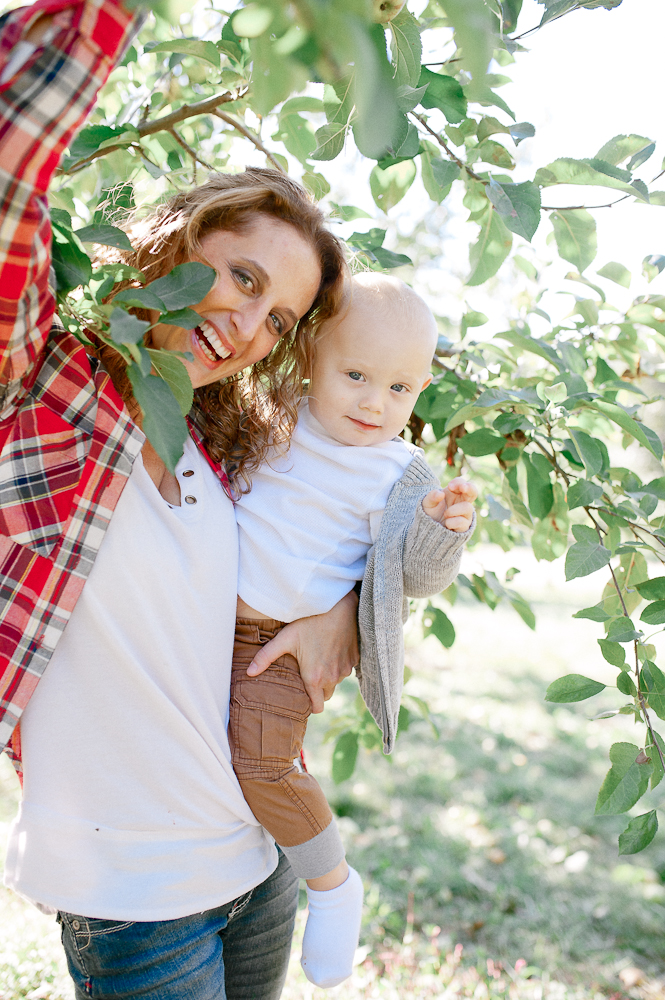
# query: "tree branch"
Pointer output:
{"type": "Point", "coordinates": [188, 149]}
{"type": "Point", "coordinates": [164, 124]}
{"type": "Point", "coordinates": [460, 163]}
{"type": "Point", "coordinates": [252, 136]}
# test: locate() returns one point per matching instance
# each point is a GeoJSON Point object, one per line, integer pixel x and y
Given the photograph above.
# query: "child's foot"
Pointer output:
{"type": "Point", "coordinates": [332, 931]}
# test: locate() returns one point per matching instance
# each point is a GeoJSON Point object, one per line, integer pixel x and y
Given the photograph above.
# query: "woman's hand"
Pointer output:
{"type": "Point", "coordinates": [325, 646]}
{"type": "Point", "coordinates": [452, 506]}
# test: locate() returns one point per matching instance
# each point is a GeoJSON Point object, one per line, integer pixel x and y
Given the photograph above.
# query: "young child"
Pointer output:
{"type": "Point", "coordinates": [348, 486]}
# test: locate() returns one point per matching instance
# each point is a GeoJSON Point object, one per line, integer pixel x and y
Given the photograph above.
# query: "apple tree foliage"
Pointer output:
{"type": "Point", "coordinates": [530, 416]}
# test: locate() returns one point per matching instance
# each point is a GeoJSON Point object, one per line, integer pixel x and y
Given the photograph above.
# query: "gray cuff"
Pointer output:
{"type": "Point", "coordinates": [317, 856]}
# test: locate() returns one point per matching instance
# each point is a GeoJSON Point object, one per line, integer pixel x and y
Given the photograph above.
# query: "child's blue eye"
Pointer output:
{"type": "Point", "coordinates": [398, 388]}
{"type": "Point", "coordinates": [356, 376]}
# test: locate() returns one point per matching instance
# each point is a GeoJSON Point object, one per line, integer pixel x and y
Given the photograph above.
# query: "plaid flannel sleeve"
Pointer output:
{"type": "Point", "coordinates": [42, 106]}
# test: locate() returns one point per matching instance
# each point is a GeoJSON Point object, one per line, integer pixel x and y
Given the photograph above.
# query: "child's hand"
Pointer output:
{"type": "Point", "coordinates": [452, 506]}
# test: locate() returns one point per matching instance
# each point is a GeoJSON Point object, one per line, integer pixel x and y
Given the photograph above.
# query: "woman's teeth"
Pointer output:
{"type": "Point", "coordinates": [210, 343]}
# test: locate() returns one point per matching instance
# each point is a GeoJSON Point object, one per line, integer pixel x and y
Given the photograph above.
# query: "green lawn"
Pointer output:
{"type": "Point", "coordinates": [486, 873]}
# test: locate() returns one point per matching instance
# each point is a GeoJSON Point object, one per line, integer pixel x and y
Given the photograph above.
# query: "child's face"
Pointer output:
{"type": "Point", "coordinates": [368, 373]}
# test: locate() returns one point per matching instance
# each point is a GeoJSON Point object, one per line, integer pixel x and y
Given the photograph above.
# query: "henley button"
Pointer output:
{"type": "Point", "coordinates": [188, 473]}
{"type": "Point", "coordinates": [190, 499]}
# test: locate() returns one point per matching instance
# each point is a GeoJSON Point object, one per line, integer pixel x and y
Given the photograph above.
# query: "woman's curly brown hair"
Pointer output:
{"type": "Point", "coordinates": [239, 418]}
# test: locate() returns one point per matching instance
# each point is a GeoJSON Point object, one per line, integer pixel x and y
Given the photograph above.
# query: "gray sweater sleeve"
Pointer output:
{"type": "Point", "coordinates": [431, 555]}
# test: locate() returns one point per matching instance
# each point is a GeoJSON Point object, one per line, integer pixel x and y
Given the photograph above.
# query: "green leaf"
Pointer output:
{"type": "Point", "coordinates": [90, 138]}
{"type": "Point", "coordinates": [109, 236]}
{"type": "Point", "coordinates": [140, 298]}
{"type": "Point", "coordinates": [584, 558]}
{"type": "Point", "coordinates": [316, 184]}
{"type": "Point", "coordinates": [627, 423]}
{"type": "Point", "coordinates": [493, 246]}
{"type": "Point", "coordinates": [389, 186]}
{"type": "Point", "coordinates": [595, 172]}
{"type": "Point", "coordinates": [639, 833]}
{"type": "Point", "coordinates": [575, 235]}
{"type": "Point", "coordinates": [252, 20]}
{"type": "Point", "coordinates": [71, 263]}
{"type": "Point", "coordinates": [653, 681]}
{"type": "Point", "coordinates": [626, 685]}
{"type": "Point", "coordinates": [330, 141]}
{"type": "Point", "coordinates": [652, 750]}
{"type": "Point", "coordinates": [437, 173]}
{"type": "Point", "coordinates": [616, 272]}
{"type": "Point", "coordinates": [406, 47]}
{"type": "Point", "coordinates": [378, 126]}
{"type": "Point", "coordinates": [186, 285]}
{"type": "Point", "coordinates": [624, 783]}
{"type": "Point", "coordinates": [573, 687]}
{"type": "Point", "coordinates": [524, 610]}
{"type": "Point", "coordinates": [344, 757]}
{"type": "Point", "coordinates": [622, 630]}
{"type": "Point", "coordinates": [436, 622]}
{"type": "Point", "coordinates": [348, 213]}
{"type": "Point", "coordinates": [481, 442]}
{"type": "Point", "coordinates": [187, 319]}
{"type": "Point", "coordinates": [612, 652]}
{"type": "Point", "coordinates": [127, 329]}
{"type": "Point", "coordinates": [582, 494]}
{"type": "Point", "coordinates": [296, 133]}
{"type": "Point", "coordinates": [594, 614]}
{"type": "Point", "coordinates": [589, 451]}
{"type": "Point", "coordinates": [171, 369]}
{"type": "Point", "coordinates": [621, 147]}
{"type": "Point", "coordinates": [445, 93]}
{"type": "Point", "coordinates": [163, 422]}
{"type": "Point", "coordinates": [518, 205]}
{"type": "Point", "coordinates": [652, 590]}
{"type": "Point", "coordinates": [654, 614]}
{"type": "Point", "coordinates": [539, 488]}
{"type": "Point", "coordinates": [388, 258]}
{"type": "Point", "coordinates": [207, 51]}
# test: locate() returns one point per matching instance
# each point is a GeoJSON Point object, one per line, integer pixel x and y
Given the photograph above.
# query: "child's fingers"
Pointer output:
{"type": "Point", "coordinates": [458, 517]}
{"type": "Point", "coordinates": [463, 488]}
{"type": "Point", "coordinates": [460, 524]}
{"type": "Point", "coordinates": [434, 501]}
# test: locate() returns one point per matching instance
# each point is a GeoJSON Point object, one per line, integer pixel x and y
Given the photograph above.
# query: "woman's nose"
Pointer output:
{"type": "Point", "coordinates": [248, 320]}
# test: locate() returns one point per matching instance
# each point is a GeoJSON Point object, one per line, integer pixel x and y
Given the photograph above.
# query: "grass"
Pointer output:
{"type": "Point", "coordinates": [486, 873]}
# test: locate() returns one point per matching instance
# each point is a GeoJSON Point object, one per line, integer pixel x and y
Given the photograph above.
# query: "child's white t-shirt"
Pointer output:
{"type": "Point", "coordinates": [310, 518]}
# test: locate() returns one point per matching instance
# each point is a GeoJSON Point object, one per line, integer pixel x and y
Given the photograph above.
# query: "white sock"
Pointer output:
{"type": "Point", "coordinates": [332, 932]}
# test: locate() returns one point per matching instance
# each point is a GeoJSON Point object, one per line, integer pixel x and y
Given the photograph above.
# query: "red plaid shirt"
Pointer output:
{"type": "Point", "coordinates": [67, 443]}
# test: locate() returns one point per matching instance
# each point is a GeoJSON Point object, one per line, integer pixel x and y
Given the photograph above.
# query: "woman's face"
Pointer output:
{"type": "Point", "coordinates": [267, 278]}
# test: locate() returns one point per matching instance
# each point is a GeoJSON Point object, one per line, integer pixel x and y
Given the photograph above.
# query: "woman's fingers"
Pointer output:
{"type": "Point", "coordinates": [325, 646]}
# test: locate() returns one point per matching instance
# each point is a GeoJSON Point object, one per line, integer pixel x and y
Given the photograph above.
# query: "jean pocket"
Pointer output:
{"type": "Point", "coordinates": [84, 929]}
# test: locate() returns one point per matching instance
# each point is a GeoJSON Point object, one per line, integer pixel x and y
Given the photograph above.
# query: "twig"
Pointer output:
{"type": "Point", "coordinates": [164, 124]}
{"type": "Point", "coordinates": [188, 149]}
{"type": "Point", "coordinates": [541, 25]}
{"type": "Point", "coordinates": [571, 208]}
{"type": "Point", "coordinates": [640, 695]}
{"type": "Point", "coordinates": [552, 460]}
{"type": "Point", "coordinates": [252, 136]}
{"type": "Point", "coordinates": [460, 163]}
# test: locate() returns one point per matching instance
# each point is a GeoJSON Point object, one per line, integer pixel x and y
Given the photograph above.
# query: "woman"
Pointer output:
{"type": "Point", "coordinates": [132, 825]}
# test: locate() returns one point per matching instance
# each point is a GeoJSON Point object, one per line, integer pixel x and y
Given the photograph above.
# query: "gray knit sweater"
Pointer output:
{"type": "Point", "coordinates": [414, 556]}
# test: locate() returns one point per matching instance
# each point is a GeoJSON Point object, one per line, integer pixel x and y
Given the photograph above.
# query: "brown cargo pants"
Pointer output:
{"type": "Point", "coordinates": [267, 723]}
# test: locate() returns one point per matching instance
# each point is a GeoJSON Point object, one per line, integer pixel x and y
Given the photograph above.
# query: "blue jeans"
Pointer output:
{"type": "Point", "coordinates": [238, 951]}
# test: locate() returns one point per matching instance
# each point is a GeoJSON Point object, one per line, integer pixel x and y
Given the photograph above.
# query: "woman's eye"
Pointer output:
{"type": "Point", "coordinates": [277, 324]}
{"type": "Point", "coordinates": [356, 376]}
{"type": "Point", "coordinates": [244, 279]}
{"type": "Point", "coordinates": [398, 388]}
